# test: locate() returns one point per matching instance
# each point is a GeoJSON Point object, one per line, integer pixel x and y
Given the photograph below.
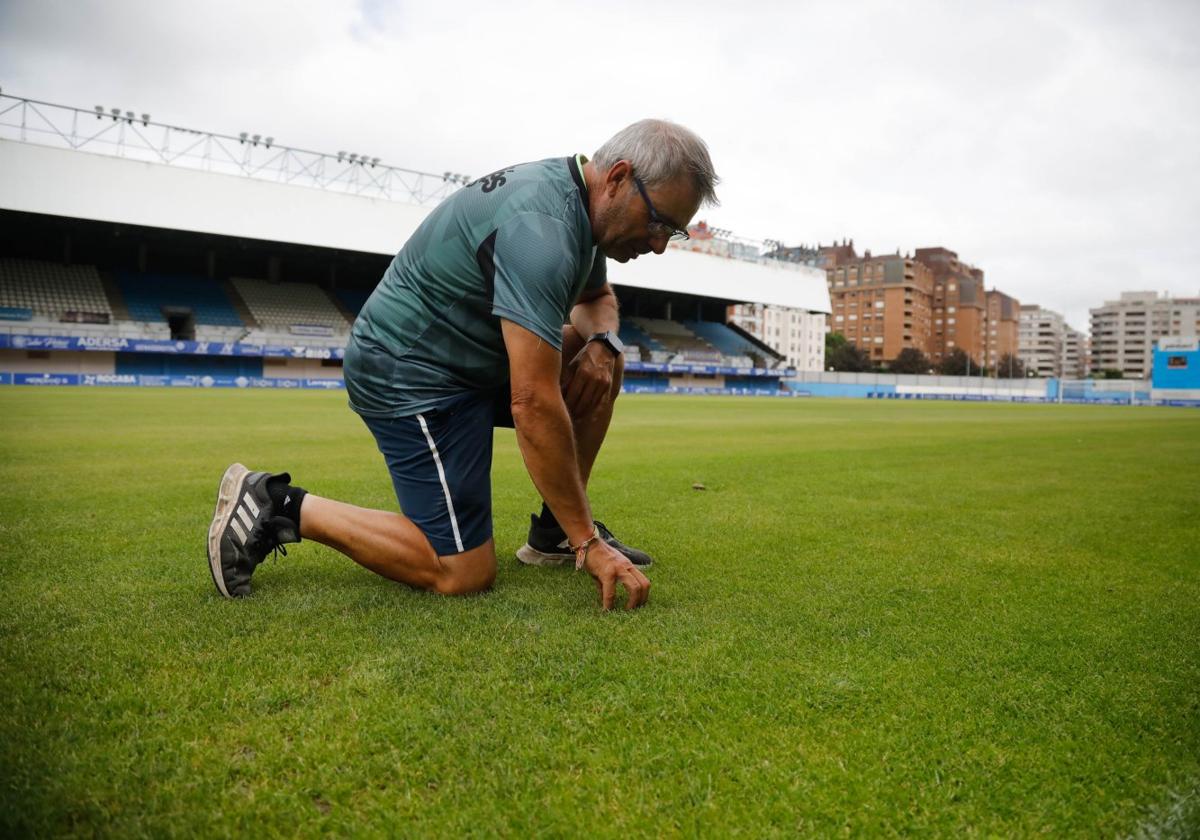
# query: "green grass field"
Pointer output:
{"type": "Point", "coordinates": [879, 618]}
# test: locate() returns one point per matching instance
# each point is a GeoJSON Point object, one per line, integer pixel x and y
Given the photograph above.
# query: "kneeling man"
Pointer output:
{"type": "Point", "coordinates": [465, 332]}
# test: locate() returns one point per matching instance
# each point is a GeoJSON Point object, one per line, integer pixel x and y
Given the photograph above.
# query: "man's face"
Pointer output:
{"type": "Point", "coordinates": [622, 227]}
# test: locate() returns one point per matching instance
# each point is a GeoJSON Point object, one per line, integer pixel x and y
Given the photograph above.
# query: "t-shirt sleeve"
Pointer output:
{"type": "Point", "coordinates": [535, 266]}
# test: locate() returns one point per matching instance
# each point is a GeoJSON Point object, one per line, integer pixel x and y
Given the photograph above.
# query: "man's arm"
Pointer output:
{"type": "Point", "coordinates": [588, 377]}
{"type": "Point", "coordinates": [544, 430]}
{"type": "Point", "coordinates": [547, 443]}
{"type": "Point", "coordinates": [595, 311]}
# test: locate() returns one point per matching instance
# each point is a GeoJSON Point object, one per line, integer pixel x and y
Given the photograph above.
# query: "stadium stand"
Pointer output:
{"type": "Point", "coordinates": [678, 343]}
{"type": "Point", "coordinates": [737, 348]}
{"type": "Point", "coordinates": [288, 311]}
{"type": "Point", "coordinates": [54, 292]}
{"type": "Point", "coordinates": [147, 295]}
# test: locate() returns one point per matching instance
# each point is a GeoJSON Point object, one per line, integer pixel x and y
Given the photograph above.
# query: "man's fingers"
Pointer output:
{"type": "Point", "coordinates": [637, 585]}
{"type": "Point", "coordinates": [608, 591]}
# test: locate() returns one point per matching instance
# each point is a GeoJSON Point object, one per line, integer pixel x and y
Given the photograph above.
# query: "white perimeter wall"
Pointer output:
{"type": "Point", "coordinates": [62, 182]}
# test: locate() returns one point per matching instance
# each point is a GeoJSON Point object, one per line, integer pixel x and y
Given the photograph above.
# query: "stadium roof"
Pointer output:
{"type": "Point", "coordinates": [104, 186]}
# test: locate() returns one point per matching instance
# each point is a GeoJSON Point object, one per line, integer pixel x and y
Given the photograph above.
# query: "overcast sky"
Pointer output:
{"type": "Point", "coordinates": [1056, 145]}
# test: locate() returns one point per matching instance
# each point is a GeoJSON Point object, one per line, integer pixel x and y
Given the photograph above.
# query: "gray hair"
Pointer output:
{"type": "Point", "coordinates": [661, 151]}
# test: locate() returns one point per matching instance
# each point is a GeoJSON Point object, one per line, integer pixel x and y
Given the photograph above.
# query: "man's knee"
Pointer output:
{"type": "Point", "coordinates": [467, 573]}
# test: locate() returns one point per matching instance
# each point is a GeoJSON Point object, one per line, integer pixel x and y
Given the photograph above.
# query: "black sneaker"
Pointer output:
{"type": "Point", "coordinates": [550, 547]}
{"type": "Point", "coordinates": [244, 530]}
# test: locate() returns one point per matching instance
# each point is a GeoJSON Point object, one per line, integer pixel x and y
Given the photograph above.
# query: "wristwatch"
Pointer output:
{"type": "Point", "coordinates": [610, 340]}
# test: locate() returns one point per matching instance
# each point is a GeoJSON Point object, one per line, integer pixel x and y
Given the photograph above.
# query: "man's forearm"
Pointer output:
{"type": "Point", "coordinates": [595, 316]}
{"type": "Point", "coordinates": [547, 443]}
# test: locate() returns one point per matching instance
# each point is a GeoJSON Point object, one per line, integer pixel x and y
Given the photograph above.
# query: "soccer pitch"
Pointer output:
{"type": "Point", "coordinates": [878, 618]}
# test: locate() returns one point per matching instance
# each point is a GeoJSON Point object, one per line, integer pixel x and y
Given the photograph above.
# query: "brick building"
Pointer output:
{"type": "Point", "coordinates": [881, 304]}
{"type": "Point", "coordinates": [1003, 328]}
{"type": "Point", "coordinates": [959, 305]}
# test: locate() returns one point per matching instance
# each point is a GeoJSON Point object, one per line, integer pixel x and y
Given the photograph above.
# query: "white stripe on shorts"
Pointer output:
{"type": "Point", "coordinates": [437, 459]}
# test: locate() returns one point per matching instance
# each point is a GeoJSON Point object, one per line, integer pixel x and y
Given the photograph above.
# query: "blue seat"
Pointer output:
{"type": "Point", "coordinates": [147, 294]}
{"type": "Point", "coordinates": [722, 338]}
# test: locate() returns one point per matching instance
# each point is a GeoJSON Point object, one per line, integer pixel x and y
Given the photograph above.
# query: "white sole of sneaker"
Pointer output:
{"type": "Point", "coordinates": [530, 556]}
{"type": "Point", "coordinates": [227, 495]}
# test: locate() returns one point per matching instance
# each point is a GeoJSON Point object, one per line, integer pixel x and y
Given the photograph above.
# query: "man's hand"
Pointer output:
{"type": "Point", "coordinates": [608, 567]}
{"type": "Point", "coordinates": [587, 379]}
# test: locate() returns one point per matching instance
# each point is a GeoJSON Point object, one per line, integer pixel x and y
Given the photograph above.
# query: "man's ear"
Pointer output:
{"type": "Point", "coordinates": [616, 176]}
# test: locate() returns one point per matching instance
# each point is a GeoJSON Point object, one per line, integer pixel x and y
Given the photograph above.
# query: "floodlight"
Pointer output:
{"type": "Point", "coordinates": [145, 119]}
{"type": "Point", "coordinates": [340, 156]}
{"type": "Point", "coordinates": [242, 137]}
{"type": "Point", "coordinates": [353, 156]}
{"type": "Point", "coordinates": [116, 112]}
{"type": "Point", "coordinates": [99, 111]}
{"type": "Point", "coordinates": [269, 141]}
{"type": "Point", "coordinates": [256, 138]}
{"type": "Point", "coordinates": [129, 116]}
{"type": "Point", "coordinates": [445, 176]}
{"type": "Point", "coordinates": [374, 161]}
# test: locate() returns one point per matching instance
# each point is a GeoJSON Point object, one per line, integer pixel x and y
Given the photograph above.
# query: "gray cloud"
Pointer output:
{"type": "Point", "coordinates": [1053, 144]}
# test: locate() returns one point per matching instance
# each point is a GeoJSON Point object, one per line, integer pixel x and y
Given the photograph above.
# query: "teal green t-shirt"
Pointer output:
{"type": "Point", "coordinates": [515, 244]}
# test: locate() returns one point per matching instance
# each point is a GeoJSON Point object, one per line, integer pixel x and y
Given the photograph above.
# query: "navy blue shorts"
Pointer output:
{"type": "Point", "coordinates": [441, 466]}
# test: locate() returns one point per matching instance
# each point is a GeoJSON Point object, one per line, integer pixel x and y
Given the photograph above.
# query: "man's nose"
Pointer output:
{"type": "Point", "coordinates": [658, 244]}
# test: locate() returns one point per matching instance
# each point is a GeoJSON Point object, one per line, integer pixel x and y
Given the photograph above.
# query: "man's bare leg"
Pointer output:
{"type": "Point", "coordinates": [389, 544]}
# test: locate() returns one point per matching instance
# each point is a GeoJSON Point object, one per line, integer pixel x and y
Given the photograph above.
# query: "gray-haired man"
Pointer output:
{"type": "Point", "coordinates": [465, 332]}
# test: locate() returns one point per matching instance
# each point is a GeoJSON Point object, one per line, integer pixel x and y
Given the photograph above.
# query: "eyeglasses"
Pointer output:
{"type": "Point", "coordinates": [658, 225]}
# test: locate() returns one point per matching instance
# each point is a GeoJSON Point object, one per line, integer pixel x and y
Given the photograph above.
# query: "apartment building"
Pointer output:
{"type": "Point", "coordinates": [1124, 330]}
{"type": "Point", "coordinates": [1003, 328]}
{"type": "Point", "coordinates": [1042, 340]}
{"type": "Point", "coordinates": [795, 333]}
{"type": "Point", "coordinates": [1077, 354]}
{"type": "Point", "coordinates": [882, 304]}
{"type": "Point", "coordinates": [959, 305]}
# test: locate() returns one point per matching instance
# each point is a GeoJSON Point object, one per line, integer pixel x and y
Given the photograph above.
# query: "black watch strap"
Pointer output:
{"type": "Point", "coordinates": [610, 340]}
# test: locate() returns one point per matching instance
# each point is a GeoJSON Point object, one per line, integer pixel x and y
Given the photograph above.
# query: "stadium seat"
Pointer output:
{"type": "Point", "coordinates": [675, 342]}
{"type": "Point", "coordinates": [52, 289]}
{"type": "Point", "coordinates": [735, 347]}
{"type": "Point", "coordinates": [287, 308]}
{"type": "Point", "coordinates": [146, 295]}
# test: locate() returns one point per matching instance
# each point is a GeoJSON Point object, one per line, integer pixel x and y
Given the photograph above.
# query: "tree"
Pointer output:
{"type": "Point", "coordinates": [833, 341]}
{"type": "Point", "coordinates": [1010, 367]}
{"type": "Point", "coordinates": [849, 358]}
{"type": "Point", "coordinates": [958, 363]}
{"type": "Point", "coordinates": [910, 360]}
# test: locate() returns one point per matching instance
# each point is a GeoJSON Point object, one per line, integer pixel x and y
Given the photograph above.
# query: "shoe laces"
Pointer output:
{"type": "Point", "coordinates": [262, 540]}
